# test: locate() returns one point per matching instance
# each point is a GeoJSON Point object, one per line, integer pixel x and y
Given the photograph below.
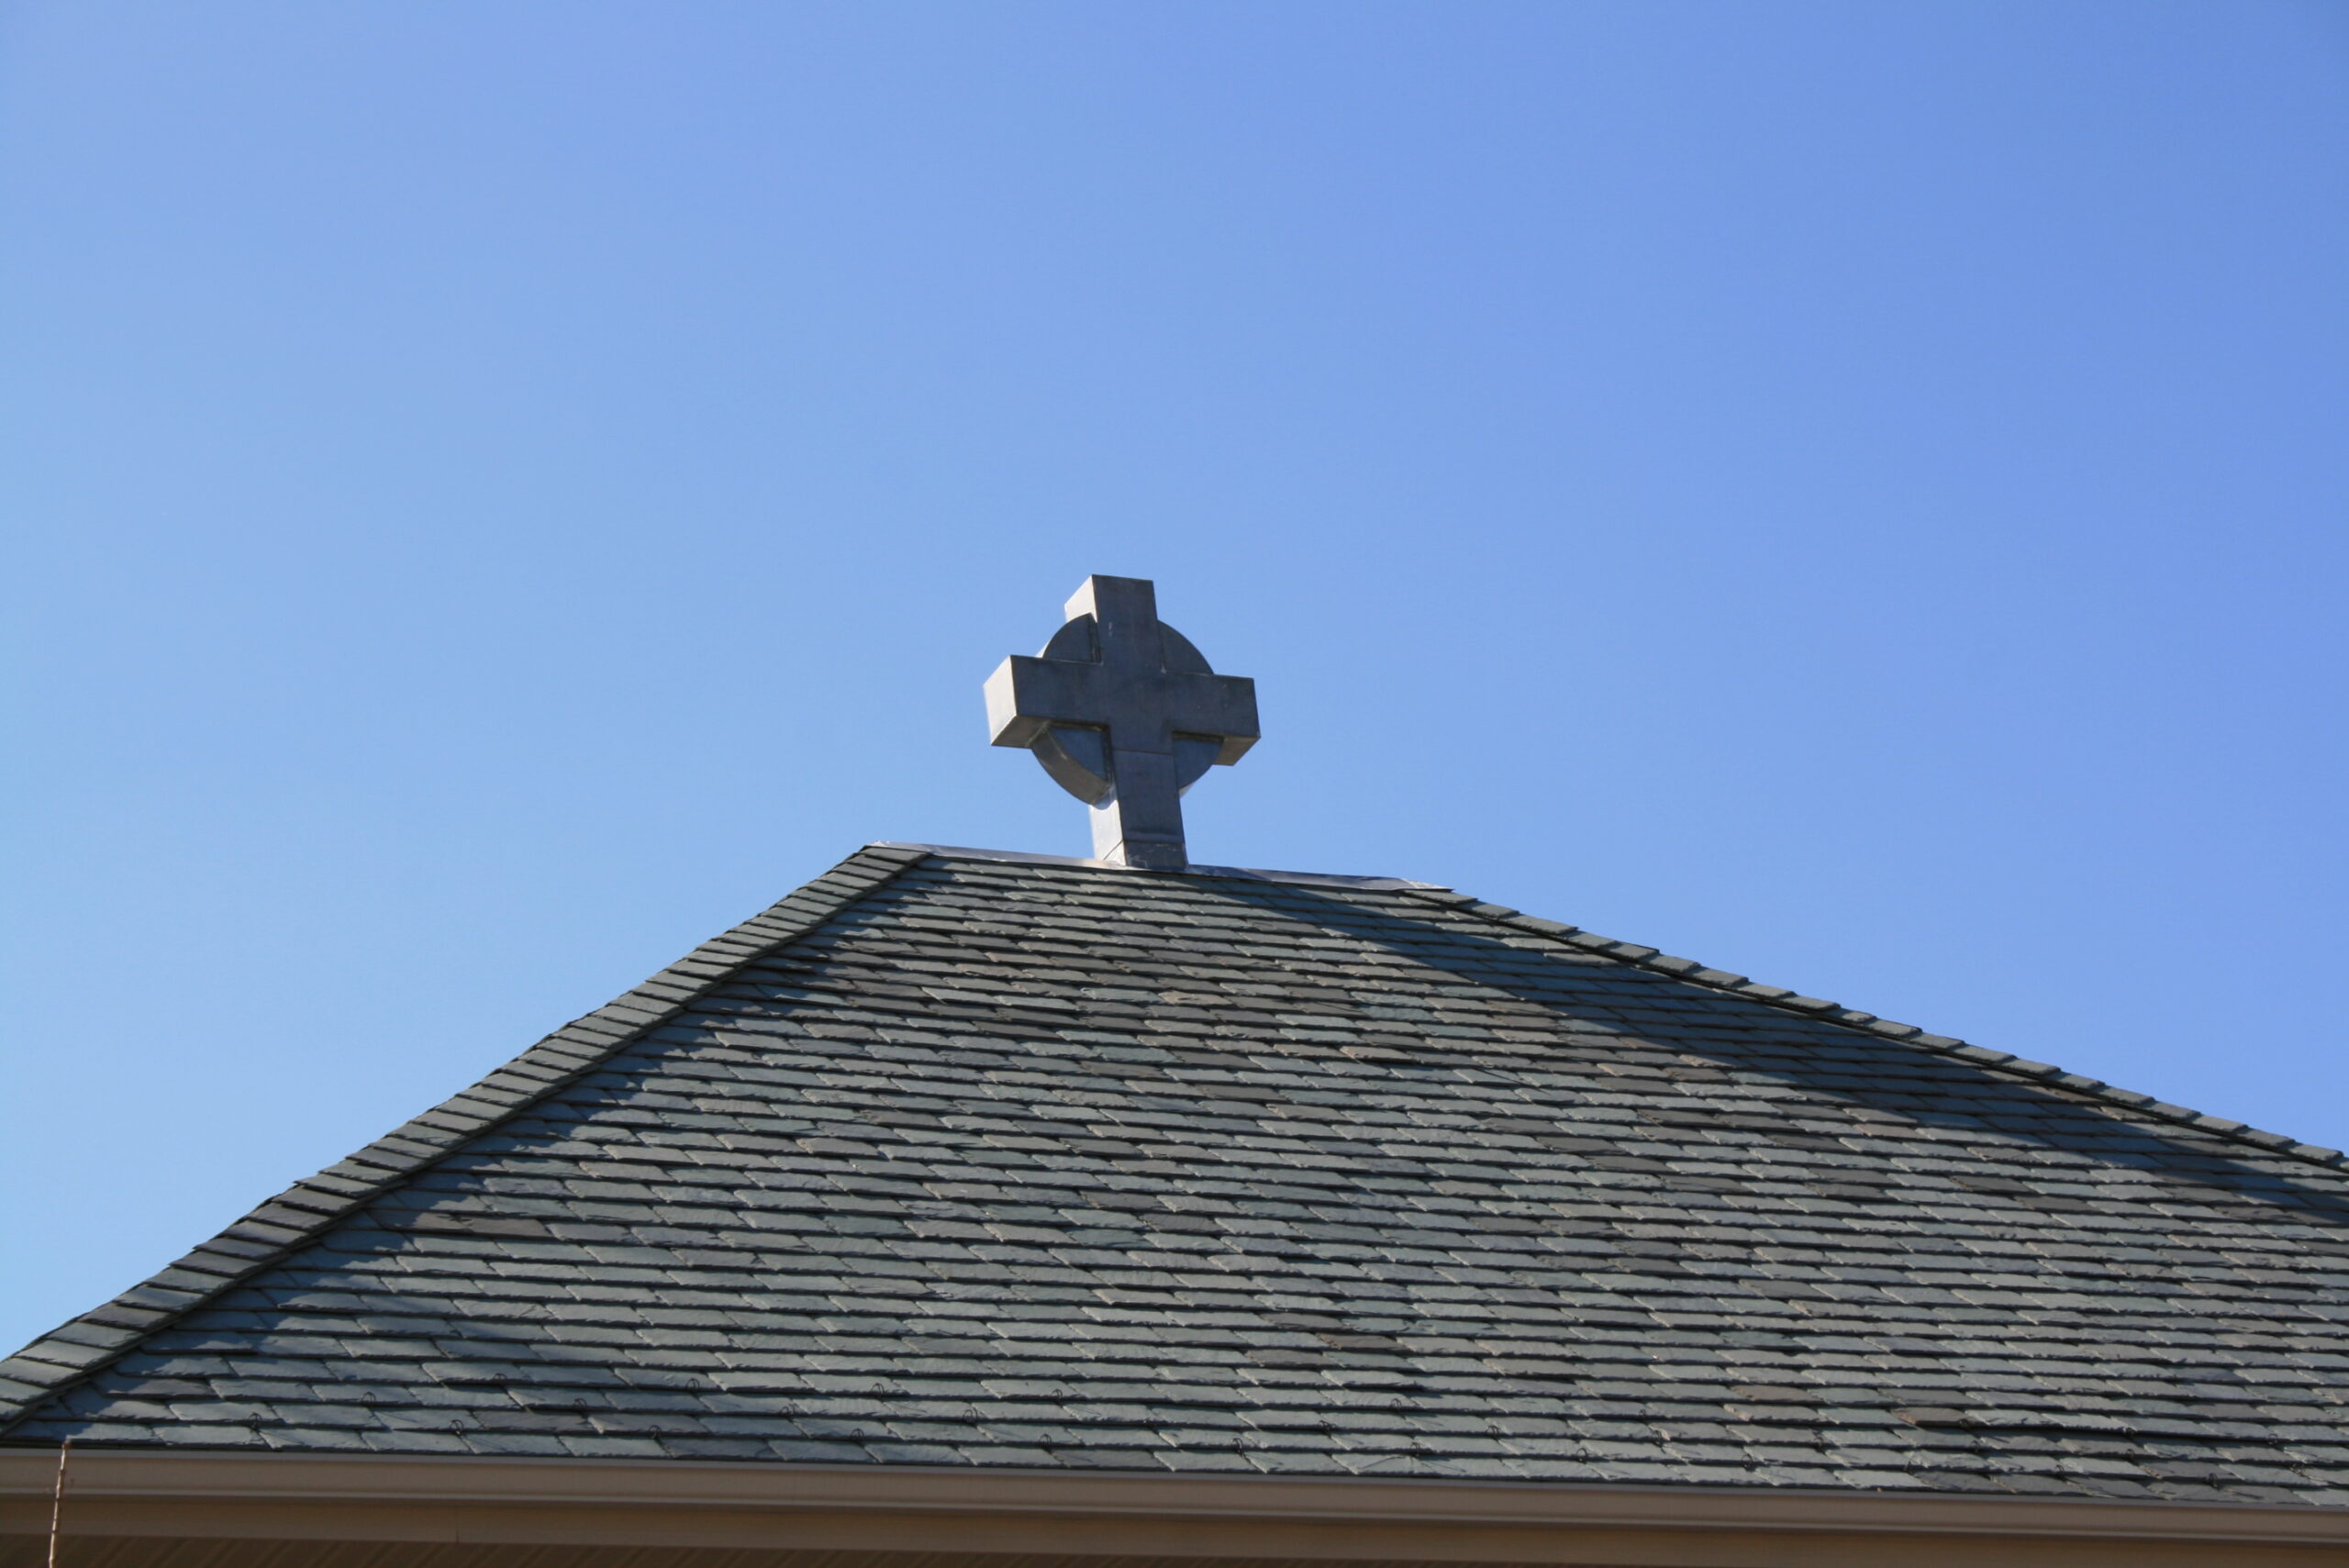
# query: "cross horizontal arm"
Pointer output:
{"type": "Point", "coordinates": [1221, 707]}
{"type": "Point", "coordinates": [1027, 695]}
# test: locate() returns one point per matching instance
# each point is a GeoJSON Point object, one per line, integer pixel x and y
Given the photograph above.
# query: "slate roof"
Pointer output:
{"type": "Point", "coordinates": [957, 1160]}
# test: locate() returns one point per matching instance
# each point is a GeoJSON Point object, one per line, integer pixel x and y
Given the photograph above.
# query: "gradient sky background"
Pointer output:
{"type": "Point", "coordinates": [1852, 493]}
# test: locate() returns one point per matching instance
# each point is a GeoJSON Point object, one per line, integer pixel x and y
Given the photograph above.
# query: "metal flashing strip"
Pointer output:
{"type": "Point", "coordinates": [1249, 873]}
{"type": "Point", "coordinates": [221, 1498]}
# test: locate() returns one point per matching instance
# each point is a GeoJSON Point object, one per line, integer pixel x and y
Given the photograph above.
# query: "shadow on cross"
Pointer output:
{"type": "Point", "coordinates": [2014, 1108]}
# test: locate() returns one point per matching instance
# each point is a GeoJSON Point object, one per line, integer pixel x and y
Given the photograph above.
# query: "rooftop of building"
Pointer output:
{"type": "Point", "coordinates": [953, 1158]}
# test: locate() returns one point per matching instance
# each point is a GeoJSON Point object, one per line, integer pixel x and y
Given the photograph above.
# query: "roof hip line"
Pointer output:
{"type": "Point", "coordinates": [2041, 1073]}
{"type": "Point", "coordinates": [86, 1344]}
{"type": "Point", "coordinates": [1695, 973]}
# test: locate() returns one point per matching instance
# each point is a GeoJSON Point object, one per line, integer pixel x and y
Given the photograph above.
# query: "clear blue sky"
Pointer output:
{"type": "Point", "coordinates": [1852, 493]}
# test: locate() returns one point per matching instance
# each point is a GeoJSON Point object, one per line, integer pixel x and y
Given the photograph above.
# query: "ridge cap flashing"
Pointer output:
{"type": "Point", "coordinates": [1246, 874]}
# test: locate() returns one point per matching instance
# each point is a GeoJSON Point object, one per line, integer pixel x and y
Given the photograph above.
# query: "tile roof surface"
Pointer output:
{"type": "Point", "coordinates": [952, 1159]}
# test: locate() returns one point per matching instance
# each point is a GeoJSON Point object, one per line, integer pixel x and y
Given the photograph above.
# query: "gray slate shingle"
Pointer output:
{"type": "Point", "coordinates": [957, 1161]}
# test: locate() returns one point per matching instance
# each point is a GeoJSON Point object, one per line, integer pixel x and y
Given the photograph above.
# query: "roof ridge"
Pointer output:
{"type": "Point", "coordinates": [1695, 973]}
{"type": "Point", "coordinates": [1246, 874]}
{"type": "Point", "coordinates": [295, 1216]}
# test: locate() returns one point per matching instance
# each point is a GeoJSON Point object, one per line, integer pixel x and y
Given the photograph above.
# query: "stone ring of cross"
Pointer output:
{"type": "Point", "coordinates": [1125, 715]}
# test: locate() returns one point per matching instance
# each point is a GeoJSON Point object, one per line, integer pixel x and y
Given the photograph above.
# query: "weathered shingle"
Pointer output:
{"type": "Point", "coordinates": [959, 1161]}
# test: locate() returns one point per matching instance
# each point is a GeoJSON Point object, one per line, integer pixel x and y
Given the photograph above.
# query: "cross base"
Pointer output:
{"type": "Point", "coordinates": [1150, 854]}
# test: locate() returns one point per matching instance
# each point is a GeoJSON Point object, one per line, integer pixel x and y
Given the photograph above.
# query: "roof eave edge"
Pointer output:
{"type": "Point", "coordinates": [566, 1501]}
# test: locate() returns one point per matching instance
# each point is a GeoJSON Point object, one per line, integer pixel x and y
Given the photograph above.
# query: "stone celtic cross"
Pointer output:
{"type": "Point", "coordinates": [1125, 716]}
